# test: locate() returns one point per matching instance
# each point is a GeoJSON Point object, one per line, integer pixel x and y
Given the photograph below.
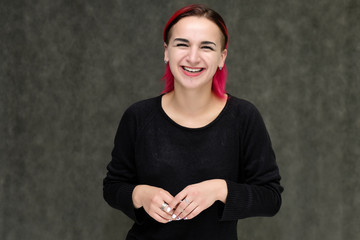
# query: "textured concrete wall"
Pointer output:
{"type": "Point", "coordinates": [68, 69]}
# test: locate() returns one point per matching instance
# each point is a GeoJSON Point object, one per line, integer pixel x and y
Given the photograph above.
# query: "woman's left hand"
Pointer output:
{"type": "Point", "coordinates": [195, 198]}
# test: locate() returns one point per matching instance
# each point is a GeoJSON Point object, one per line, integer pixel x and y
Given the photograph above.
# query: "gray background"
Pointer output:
{"type": "Point", "coordinates": [70, 68]}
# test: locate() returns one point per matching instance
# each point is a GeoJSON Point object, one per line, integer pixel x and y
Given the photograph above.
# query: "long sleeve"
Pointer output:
{"type": "Point", "coordinates": [121, 178]}
{"type": "Point", "coordinates": [150, 148]}
{"type": "Point", "coordinates": [258, 193]}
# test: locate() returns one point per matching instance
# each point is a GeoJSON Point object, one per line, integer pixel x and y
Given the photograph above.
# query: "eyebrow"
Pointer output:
{"type": "Point", "coordinates": [187, 41]}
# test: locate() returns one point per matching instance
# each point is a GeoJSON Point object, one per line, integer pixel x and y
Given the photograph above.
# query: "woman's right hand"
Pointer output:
{"type": "Point", "coordinates": [152, 199]}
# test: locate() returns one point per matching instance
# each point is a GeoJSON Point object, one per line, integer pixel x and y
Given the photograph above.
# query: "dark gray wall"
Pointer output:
{"type": "Point", "coordinates": [70, 68]}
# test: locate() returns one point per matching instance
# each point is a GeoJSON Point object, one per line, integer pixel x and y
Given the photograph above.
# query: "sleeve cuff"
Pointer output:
{"type": "Point", "coordinates": [237, 201]}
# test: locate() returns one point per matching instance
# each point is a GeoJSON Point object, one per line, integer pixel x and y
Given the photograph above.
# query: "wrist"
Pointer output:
{"type": "Point", "coordinates": [136, 196]}
{"type": "Point", "coordinates": [222, 190]}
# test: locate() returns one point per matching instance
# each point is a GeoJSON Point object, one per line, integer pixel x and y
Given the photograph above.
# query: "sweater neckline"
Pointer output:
{"type": "Point", "coordinates": [193, 129]}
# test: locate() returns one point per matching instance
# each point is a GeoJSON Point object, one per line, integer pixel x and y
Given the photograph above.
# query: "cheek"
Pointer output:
{"type": "Point", "coordinates": [213, 61]}
{"type": "Point", "coordinates": [173, 55]}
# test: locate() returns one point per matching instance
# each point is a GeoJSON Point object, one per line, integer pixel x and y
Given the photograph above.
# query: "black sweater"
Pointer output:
{"type": "Point", "coordinates": [152, 149]}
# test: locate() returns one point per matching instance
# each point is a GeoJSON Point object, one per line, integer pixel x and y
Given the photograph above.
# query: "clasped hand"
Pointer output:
{"type": "Point", "coordinates": [187, 204]}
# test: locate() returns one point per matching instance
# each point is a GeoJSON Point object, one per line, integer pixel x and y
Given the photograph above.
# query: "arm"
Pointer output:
{"type": "Point", "coordinates": [120, 186]}
{"type": "Point", "coordinates": [199, 197]}
{"type": "Point", "coordinates": [121, 178]}
{"type": "Point", "coordinates": [259, 192]}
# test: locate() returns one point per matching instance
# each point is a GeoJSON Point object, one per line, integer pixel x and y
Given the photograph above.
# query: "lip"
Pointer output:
{"type": "Point", "coordinates": [190, 74]}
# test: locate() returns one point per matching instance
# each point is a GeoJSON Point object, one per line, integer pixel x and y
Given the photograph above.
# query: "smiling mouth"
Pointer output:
{"type": "Point", "coordinates": [192, 70]}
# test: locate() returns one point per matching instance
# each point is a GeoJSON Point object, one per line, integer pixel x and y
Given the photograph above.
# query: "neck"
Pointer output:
{"type": "Point", "coordinates": [193, 102]}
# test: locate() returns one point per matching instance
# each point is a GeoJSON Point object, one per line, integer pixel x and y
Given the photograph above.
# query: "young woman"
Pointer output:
{"type": "Point", "coordinates": [191, 162]}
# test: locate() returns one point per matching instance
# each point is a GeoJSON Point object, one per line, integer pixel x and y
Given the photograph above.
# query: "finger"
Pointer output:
{"type": "Point", "coordinates": [159, 218]}
{"type": "Point", "coordinates": [188, 209]}
{"type": "Point", "coordinates": [177, 199]}
{"type": "Point", "coordinates": [167, 198]}
{"type": "Point", "coordinates": [164, 210]}
{"type": "Point", "coordinates": [163, 214]}
{"type": "Point", "coordinates": [157, 211]}
{"type": "Point", "coordinates": [164, 207]}
{"type": "Point", "coordinates": [194, 213]}
{"type": "Point", "coordinates": [184, 204]}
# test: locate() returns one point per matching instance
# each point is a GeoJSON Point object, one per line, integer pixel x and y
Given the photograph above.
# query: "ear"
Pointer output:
{"type": "Point", "coordinates": [223, 58]}
{"type": "Point", "coordinates": [166, 54]}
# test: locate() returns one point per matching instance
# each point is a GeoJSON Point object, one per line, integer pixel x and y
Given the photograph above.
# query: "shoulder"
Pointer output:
{"type": "Point", "coordinates": [242, 107]}
{"type": "Point", "coordinates": [142, 111]}
{"type": "Point", "coordinates": [145, 106]}
{"type": "Point", "coordinates": [247, 115]}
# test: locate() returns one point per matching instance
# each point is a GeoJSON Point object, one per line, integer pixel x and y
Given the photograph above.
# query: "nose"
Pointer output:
{"type": "Point", "coordinates": [193, 56]}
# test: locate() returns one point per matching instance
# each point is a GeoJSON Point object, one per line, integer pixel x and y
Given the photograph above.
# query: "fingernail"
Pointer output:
{"type": "Point", "coordinates": [170, 220]}
{"type": "Point", "coordinates": [178, 218]}
{"type": "Point", "coordinates": [168, 209]}
{"type": "Point", "coordinates": [186, 218]}
{"type": "Point", "coordinates": [173, 216]}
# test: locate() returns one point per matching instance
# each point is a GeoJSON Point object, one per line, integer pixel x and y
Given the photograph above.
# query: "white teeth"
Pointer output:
{"type": "Point", "coordinates": [193, 70]}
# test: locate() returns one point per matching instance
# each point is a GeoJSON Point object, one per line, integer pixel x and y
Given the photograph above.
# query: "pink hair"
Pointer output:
{"type": "Point", "coordinates": [219, 79]}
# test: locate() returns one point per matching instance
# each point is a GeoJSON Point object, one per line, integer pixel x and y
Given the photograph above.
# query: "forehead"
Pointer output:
{"type": "Point", "coordinates": [196, 28]}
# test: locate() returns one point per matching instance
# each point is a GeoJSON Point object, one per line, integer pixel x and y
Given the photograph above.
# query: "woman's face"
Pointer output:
{"type": "Point", "coordinates": [194, 52]}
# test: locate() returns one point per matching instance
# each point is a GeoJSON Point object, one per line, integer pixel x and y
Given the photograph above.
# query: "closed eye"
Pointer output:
{"type": "Point", "coordinates": [181, 45]}
{"type": "Point", "coordinates": [207, 47]}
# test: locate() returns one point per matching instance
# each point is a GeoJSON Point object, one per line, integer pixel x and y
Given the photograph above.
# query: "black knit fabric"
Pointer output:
{"type": "Point", "coordinates": [150, 148]}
